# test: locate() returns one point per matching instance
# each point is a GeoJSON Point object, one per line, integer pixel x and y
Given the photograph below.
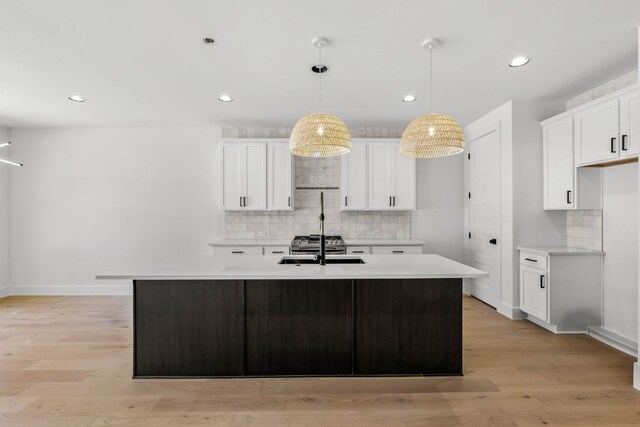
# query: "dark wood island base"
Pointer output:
{"type": "Point", "coordinates": [260, 328]}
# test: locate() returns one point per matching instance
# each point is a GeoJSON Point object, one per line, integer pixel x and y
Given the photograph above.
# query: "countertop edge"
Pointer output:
{"type": "Point", "coordinates": [284, 277]}
{"type": "Point", "coordinates": [556, 252]}
{"type": "Point", "coordinates": [348, 242]}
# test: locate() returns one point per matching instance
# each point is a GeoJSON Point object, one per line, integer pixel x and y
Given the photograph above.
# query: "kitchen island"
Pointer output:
{"type": "Point", "coordinates": [250, 316]}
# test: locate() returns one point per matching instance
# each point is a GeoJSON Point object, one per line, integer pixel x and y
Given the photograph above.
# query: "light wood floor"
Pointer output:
{"type": "Point", "coordinates": [67, 361]}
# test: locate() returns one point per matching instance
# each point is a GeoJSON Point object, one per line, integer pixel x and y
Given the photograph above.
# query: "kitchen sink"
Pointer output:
{"type": "Point", "coordinates": [310, 260]}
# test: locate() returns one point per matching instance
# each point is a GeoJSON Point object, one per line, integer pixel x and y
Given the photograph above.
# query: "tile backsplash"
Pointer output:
{"type": "Point", "coordinates": [311, 172]}
{"type": "Point", "coordinates": [584, 229]}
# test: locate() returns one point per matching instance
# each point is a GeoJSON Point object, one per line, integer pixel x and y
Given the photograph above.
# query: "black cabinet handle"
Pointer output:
{"type": "Point", "coordinates": [568, 197]}
{"type": "Point", "coordinates": [358, 252]}
{"type": "Point", "coordinates": [240, 201]}
{"type": "Point", "coordinates": [493, 241]}
{"type": "Point", "coordinates": [394, 200]}
{"type": "Point", "coordinates": [398, 252]}
{"type": "Point", "coordinates": [345, 201]}
{"type": "Point", "coordinates": [237, 252]}
{"type": "Point", "coordinates": [277, 252]}
{"type": "Point", "coordinates": [624, 142]}
{"type": "Point", "coordinates": [244, 201]}
{"type": "Point", "coordinates": [390, 201]}
{"type": "Point", "coordinates": [613, 145]}
{"type": "Point", "coordinates": [532, 260]}
{"type": "Point", "coordinates": [289, 201]}
{"type": "Point", "coordinates": [542, 282]}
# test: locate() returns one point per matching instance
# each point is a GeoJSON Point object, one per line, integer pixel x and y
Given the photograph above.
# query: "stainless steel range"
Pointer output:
{"type": "Point", "coordinates": [310, 245]}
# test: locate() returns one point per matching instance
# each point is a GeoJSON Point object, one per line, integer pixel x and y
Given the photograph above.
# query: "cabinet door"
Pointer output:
{"type": "Point", "coordinates": [596, 134]}
{"type": "Point", "coordinates": [279, 180]}
{"type": "Point", "coordinates": [353, 177]}
{"type": "Point", "coordinates": [256, 177]}
{"type": "Point", "coordinates": [630, 125]}
{"type": "Point", "coordinates": [533, 292]}
{"type": "Point", "coordinates": [381, 175]}
{"type": "Point", "coordinates": [234, 172]}
{"type": "Point", "coordinates": [559, 168]}
{"type": "Point", "coordinates": [405, 181]}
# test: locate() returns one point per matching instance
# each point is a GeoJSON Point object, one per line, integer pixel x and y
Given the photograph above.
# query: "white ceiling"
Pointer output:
{"type": "Point", "coordinates": [142, 62]}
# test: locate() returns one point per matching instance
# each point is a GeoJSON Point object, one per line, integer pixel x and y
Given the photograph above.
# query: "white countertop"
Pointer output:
{"type": "Point", "coordinates": [559, 250]}
{"type": "Point", "coordinates": [207, 267]}
{"type": "Point", "coordinates": [348, 242]}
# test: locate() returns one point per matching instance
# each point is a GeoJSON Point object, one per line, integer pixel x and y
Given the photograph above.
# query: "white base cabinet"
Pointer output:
{"type": "Point", "coordinates": [561, 288]}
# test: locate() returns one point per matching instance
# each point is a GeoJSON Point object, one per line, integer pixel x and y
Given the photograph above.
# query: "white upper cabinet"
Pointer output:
{"type": "Point", "coordinates": [559, 169]}
{"type": "Point", "coordinates": [279, 177]}
{"type": "Point", "coordinates": [382, 176]}
{"type": "Point", "coordinates": [630, 124]}
{"type": "Point", "coordinates": [244, 176]}
{"type": "Point", "coordinates": [353, 178]}
{"type": "Point", "coordinates": [596, 134]}
{"type": "Point", "coordinates": [374, 176]}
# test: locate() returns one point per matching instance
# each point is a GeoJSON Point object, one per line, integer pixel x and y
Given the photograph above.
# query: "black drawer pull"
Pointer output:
{"type": "Point", "coordinates": [240, 201]}
{"type": "Point", "coordinates": [613, 145]}
{"type": "Point", "coordinates": [390, 201]}
{"type": "Point", "coordinates": [532, 260]}
{"type": "Point", "coordinates": [277, 252]}
{"type": "Point", "coordinates": [542, 282]}
{"type": "Point", "coordinates": [398, 252]}
{"type": "Point", "coordinates": [289, 201]}
{"type": "Point", "coordinates": [624, 142]}
{"type": "Point", "coordinates": [358, 252]}
{"type": "Point", "coordinates": [237, 252]}
{"type": "Point", "coordinates": [568, 197]}
{"type": "Point", "coordinates": [346, 201]}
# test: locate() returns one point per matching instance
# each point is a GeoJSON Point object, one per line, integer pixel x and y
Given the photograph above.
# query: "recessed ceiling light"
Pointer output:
{"type": "Point", "coordinates": [409, 98]}
{"type": "Point", "coordinates": [225, 98]}
{"type": "Point", "coordinates": [208, 40]}
{"type": "Point", "coordinates": [518, 61]}
{"type": "Point", "coordinates": [76, 98]}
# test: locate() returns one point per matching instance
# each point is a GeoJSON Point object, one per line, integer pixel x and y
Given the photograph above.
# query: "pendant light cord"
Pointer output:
{"type": "Point", "coordinates": [320, 78]}
{"type": "Point", "coordinates": [430, 78]}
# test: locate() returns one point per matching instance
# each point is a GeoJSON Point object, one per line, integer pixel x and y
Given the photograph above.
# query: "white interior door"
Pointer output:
{"type": "Point", "coordinates": [484, 215]}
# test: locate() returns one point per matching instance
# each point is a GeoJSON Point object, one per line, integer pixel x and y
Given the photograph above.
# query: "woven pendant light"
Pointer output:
{"type": "Point", "coordinates": [320, 134]}
{"type": "Point", "coordinates": [434, 134]}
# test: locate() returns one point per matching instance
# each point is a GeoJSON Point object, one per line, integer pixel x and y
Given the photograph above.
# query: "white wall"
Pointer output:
{"type": "Point", "coordinates": [4, 216]}
{"type": "Point", "coordinates": [636, 368]}
{"type": "Point", "coordinates": [90, 200]}
{"type": "Point", "coordinates": [620, 243]}
{"type": "Point", "coordinates": [439, 217]}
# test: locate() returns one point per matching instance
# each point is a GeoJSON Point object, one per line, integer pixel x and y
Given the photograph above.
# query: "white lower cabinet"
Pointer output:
{"type": "Point", "coordinates": [561, 288]}
{"type": "Point", "coordinates": [237, 250]}
{"type": "Point", "coordinates": [396, 250]}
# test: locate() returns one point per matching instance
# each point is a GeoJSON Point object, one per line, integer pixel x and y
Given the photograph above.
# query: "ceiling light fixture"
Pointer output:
{"type": "Point", "coordinates": [519, 61]}
{"type": "Point", "coordinates": [76, 98]}
{"type": "Point", "coordinates": [9, 162]}
{"type": "Point", "coordinates": [409, 98]}
{"type": "Point", "coordinates": [320, 134]}
{"type": "Point", "coordinates": [225, 98]}
{"type": "Point", "coordinates": [434, 134]}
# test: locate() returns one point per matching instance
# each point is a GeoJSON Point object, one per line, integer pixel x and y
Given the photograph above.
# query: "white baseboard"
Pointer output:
{"type": "Point", "coordinates": [513, 313]}
{"type": "Point", "coordinates": [119, 289]}
{"type": "Point", "coordinates": [5, 292]}
{"type": "Point", "coordinates": [636, 375]}
{"type": "Point", "coordinates": [614, 340]}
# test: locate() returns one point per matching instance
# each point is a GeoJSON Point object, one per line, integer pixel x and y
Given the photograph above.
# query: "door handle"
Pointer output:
{"type": "Point", "coordinates": [542, 285]}
{"type": "Point", "coordinates": [345, 201]}
{"type": "Point", "coordinates": [613, 145]}
{"type": "Point", "coordinates": [532, 260]}
{"type": "Point", "coordinates": [358, 252]}
{"type": "Point", "coordinates": [244, 201]}
{"type": "Point", "coordinates": [394, 200]}
{"type": "Point", "coordinates": [568, 197]}
{"type": "Point", "coordinates": [398, 252]}
{"type": "Point", "coordinates": [289, 201]}
{"type": "Point", "coordinates": [277, 252]}
{"type": "Point", "coordinates": [390, 201]}
{"type": "Point", "coordinates": [240, 201]}
{"type": "Point", "coordinates": [624, 142]}
{"type": "Point", "coordinates": [237, 252]}
{"type": "Point", "coordinates": [493, 241]}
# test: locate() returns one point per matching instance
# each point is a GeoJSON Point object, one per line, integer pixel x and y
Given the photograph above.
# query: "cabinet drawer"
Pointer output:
{"type": "Point", "coordinates": [237, 250]}
{"type": "Point", "coordinates": [533, 260]}
{"type": "Point", "coordinates": [276, 250]}
{"type": "Point", "coordinates": [358, 250]}
{"type": "Point", "coordinates": [396, 250]}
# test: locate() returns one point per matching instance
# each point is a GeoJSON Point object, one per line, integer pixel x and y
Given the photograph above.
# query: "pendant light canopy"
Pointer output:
{"type": "Point", "coordinates": [320, 134]}
{"type": "Point", "coordinates": [434, 134]}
